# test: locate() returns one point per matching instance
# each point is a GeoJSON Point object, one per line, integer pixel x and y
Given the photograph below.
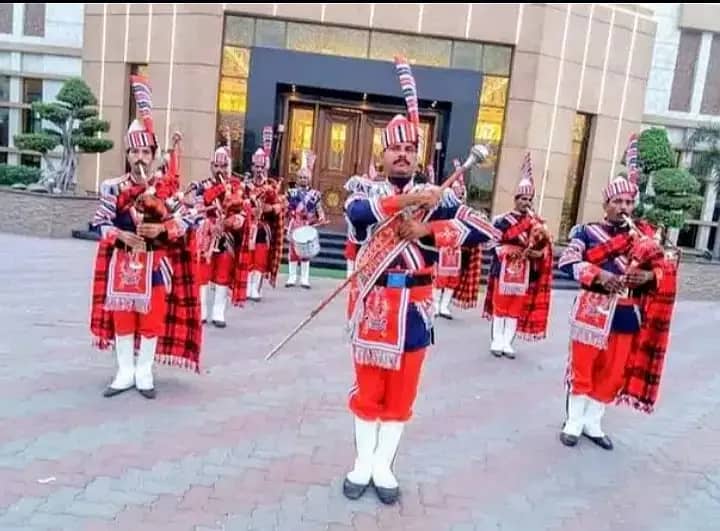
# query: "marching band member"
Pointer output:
{"type": "Point", "coordinates": [519, 288]}
{"type": "Point", "coordinates": [304, 209]}
{"type": "Point", "coordinates": [620, 322]}
{"type": "Point", "coordinates": [391, 301]}
{"type": "Point", "coordinates": [267, 225]}
{"type": "Point", "coordinates": [144, 292]}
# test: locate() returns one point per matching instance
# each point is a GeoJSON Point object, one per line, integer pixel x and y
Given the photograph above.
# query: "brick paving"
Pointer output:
{"type": "Point", "coordinates": [248, 444]}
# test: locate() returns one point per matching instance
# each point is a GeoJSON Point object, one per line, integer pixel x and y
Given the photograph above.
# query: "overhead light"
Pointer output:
{"type": "Point", "coordinates": [294, 89]}
{"type": "Point", "coordinates": [364, 96]}
{"type": "Point", "coordinates": [433, 104]}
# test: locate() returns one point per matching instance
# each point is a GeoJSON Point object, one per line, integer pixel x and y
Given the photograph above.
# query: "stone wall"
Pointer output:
{"type": "Point", "coordinates": [49, 216]}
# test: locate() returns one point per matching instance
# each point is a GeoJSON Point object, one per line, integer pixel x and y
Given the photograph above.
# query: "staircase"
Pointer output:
{"type": "Point", "coordinates": [332, 248]}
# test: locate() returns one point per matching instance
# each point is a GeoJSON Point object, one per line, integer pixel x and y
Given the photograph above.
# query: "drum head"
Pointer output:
{"type": "Point", "coordinates": [305, 234]}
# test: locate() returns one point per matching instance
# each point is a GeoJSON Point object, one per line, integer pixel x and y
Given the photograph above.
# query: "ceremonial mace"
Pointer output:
{"type": "Point", "coordinates": [478, 153]}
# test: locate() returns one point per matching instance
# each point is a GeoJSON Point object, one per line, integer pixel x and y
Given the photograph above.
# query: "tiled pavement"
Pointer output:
{"type": "Point", "coordinates": [254, 445]}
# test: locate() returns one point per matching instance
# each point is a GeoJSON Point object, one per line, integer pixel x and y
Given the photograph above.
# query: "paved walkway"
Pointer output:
{"type": "Point", "coordinates": [255, 445]}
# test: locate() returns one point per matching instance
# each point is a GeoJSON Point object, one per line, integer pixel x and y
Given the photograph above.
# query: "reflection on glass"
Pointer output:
{"type": "Point", "coordinates": [236, 61]}
{"type": "Point", "coordinates": [494, 91]}
{"type": "Point", "coordinates": [496, 60]}
{"type": "Point", "coordinates": [270, 33]}
{"type": "Point", "coordinates": [239, 31]}
{"type": "Point", "coordinates": [338, 133]}
{"type": "Point", "coordinates": [233, 95]}
{"type": "Point", "coordinates": [327, 40]}
{"type": "Point", "coordinates": [301, 136]}
{"type": "Point", "coordinates": [418, 50]}
{"type": "Point", "coordinates": [576, 172]}
{"type": "Point", "coordinates": [468, 55]}
{"type": "Point", "coordinates": [377, 150]}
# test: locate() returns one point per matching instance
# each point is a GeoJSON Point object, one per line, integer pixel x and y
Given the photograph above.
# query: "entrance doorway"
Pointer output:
{"type": "Point", "coordinates": [345, 137]}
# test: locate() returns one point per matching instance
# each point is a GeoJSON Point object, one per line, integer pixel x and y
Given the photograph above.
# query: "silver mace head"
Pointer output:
{"type": "Point", "coordinates": [478, 153]}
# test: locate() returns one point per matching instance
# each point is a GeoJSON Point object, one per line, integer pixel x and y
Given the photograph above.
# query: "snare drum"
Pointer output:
{"type": "Point", "coordinates": [306, 242]}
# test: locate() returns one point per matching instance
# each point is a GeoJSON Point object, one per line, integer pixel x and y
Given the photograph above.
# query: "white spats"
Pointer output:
{"type": "Point", "coordinates": [146, 357]}
{"type": "Point", "coordinates": [366, 433]}
{"type": "Point", "coordinates": [305, 274]}
{"type": "Point", "coordinates": [498, 334]}
{"type": "Point", "coordinates": [575, 415]}
{"type": "Point", "coordinates": [593, 416]}
{"type": "Point", "coordinates": [204, 294]}
{"type": "Point", "coordinates": [445, 299]}
{"type": "Point", "coordinates": [125, 353]}
{"type": "Point", "coordinates": [292, 274]}
{"type": "Point", "coordinates": [350, 268]}
{"type": "Point", "coordinates": [509, 335]}
{"type": "Point", "coordinates": [219, 304]}
{"type": "Point", "coordinates": [389, 436]}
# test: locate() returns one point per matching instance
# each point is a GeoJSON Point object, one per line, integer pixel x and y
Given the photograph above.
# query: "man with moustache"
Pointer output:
{"type": "Point", "coordinates": [620, 322]}
{"type": "Point", "coordinates": [391, 299]}
{"type": "Point", "coordinates": [144, 290]}
{"type": "Point", "coordinates": [519, 286]}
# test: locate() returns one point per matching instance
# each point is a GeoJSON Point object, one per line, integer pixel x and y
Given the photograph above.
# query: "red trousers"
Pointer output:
{"type": "Point", "coordinates": [351, 250]}
{"type": "Point", "coordinates": [259, 258]}
{"type": "Point", "coordinates": [219, 270]}
{"type": "Point", "coordinates": [447, 281]}
{"type": "Point", "coordinates": [387, 395]}
{"type": "Point", "coordinates": [293, 256]}
{"type": "Point", "coordinates": [507, 305]}
{"type": "Point", "coordinates": [600, 373]}
{"type": "Point", "coordinates": [149, 324]}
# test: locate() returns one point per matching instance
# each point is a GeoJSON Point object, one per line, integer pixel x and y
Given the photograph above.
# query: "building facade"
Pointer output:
{"type": "Point", "coordinates": [683, 94]}
{"type": "Point", "coordinates": [565, 82]}
{"type": "Point", "coordinates": [40, 47]}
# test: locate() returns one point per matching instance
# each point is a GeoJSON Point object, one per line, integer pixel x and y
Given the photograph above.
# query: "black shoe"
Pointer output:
{"type": "Point", "coordinates": [305, 286]}
{"type": "Point", "coordinates": [110, 391]}
{"type": "Point", "coordinates": [387, 496]}
{"type": "Point", "coordinates": [288, 285]}
{"type": "Point", "coordinates": [353, 491]}
{"type": "Point", "coordinates": [204, 321]}
{"type": "Point", "coordinates": [150, 394]}
{"type": "Point", "coordinates": [497, 353]}
{"type": "Point", "coordinates": [509, 355]}
{"type": "Point", "coordinates": [603, 442]}
{"type": "Point", "coordinates": [219, 324]}
{"type": "Point", "coordinates": [568, 440]}
{"type": "Point", "coordinates": [446, 316]}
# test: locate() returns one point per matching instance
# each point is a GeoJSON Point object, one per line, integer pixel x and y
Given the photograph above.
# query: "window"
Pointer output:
{"type": "Point", "coordinates": [6, 18]}
{"type": "Point", "coordinates": [576, 173]}
{"type": "Point", "coordinates": [270, 33]}
{"type": "Point", "coordinates": [32, 161]}
{"type": "Point", "coordinates": [4, 126]}
{"type": "Point", "coordinates": [3, 157]}
{"type": "Point", "coordinates": [302, 121]}
{"type": "Point", "coordinates": [4, 88]}
{"type": "Point", "coordinates": [711, 93]}
{"type": "Point", "coordinates": [328, 40]}
{"type": "Point", "coordinates": [32, 91]}
{"type": "Point", "coordinates": [34, 21]}
{"type": "Point", "coordinates": [418, 50]}
{"type": "Point", "coordinates": [232, 94]}
{"type": "Point", "coordinates": [489, 131]}
{"type": "Point", "coordinates": [496, 60]}
{"type": "Point", "coordinates": [239, 31]}
{"type": "Point", "coordinates": [467, 55]}
{"type": "Point", "coordinates": [684, 77]}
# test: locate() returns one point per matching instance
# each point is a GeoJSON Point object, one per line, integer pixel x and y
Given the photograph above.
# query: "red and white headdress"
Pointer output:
{"type": "Point", "coordinates": [526, 186]}
{"type": "Point", "coordinates": [619, 186]}
{"type": "Point", "coordinates": [401, 128]}
{"type": "Point", "coordinates": [221, 157]}
{"type": "Point", "coordinates": [141, 134]}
